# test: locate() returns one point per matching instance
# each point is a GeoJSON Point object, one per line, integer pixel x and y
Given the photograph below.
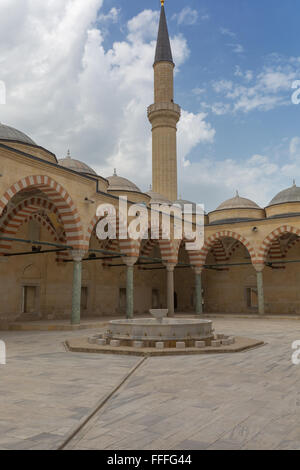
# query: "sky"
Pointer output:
{"type": "Point", "coordinates": [79, 76]}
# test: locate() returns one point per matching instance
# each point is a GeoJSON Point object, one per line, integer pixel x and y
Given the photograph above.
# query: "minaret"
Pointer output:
{"type": "Point", "coordinates": [164, 115]}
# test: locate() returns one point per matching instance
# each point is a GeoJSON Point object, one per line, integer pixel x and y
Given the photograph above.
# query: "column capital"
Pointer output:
{"type": "Point", "coordinates": [170, 267]}
{"type": "Point", "coordinates": [198, 270]}
{"type": "Point", "coordinates": [259, 267]}
{"type": "Point", "coordinates": [77, 255]}
{"type": "Point", "coordinates": [130, 260]}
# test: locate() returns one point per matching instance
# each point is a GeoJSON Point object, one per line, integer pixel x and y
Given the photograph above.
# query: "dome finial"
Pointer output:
{"type": "Point", "coordinates": [237, 194]}
{"type": "Point", "coordinates": [162, 2]}
{"type": "Point", "coordinates": [68, 154]}
{"type": "Point", "coordinates": [150, 187]}
{"type": "Point", "coordinates": [294, 183]}
{"type": "Point", "coordinates": [115, 172]}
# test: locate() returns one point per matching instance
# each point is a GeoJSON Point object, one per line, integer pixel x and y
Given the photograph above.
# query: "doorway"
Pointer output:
{"type": "Point", "coordinates": [30, 296]}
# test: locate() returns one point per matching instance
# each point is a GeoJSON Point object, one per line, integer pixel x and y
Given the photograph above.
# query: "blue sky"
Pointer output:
{"type": "Point", "coordinates": [226, 39]}
{"type": "Point", "coordinates": [87, 80]}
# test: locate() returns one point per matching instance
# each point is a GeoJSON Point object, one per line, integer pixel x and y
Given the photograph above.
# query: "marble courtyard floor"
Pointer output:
{"type": "Point", "coordinates": [249, 400]}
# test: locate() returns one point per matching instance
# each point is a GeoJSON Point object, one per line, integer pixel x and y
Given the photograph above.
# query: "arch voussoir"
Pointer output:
{"type": "Point", "coordinates": [269, 239]}
{"type": "Point", "coordinates": [60, 198]}
{"type": "Point", "coordinates": [209, 242]}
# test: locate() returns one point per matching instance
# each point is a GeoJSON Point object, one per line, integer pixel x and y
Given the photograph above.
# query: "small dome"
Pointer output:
{"type": "Point", "coordinates": [291, 194]}
{"type": "Point", "coordinates": [76, 165]}
{"type": "Point", "coordinates": [157, 198]}
{"type": "Point", "coordinates": [182, 202]}
{"type": "Point", "coordinates": [117, 183]}
{"type": "Point", "coordinates": [238, 202]}
{"type": "Point", "coordinates": [12, 134]}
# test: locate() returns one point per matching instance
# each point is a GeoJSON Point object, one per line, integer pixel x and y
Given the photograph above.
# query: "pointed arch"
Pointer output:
{"type": "Point", "coordinates": [274, 235]}
{"type": "Point", "coordinates": [167, 247]}
{"type": "Point", "coordinates": [211, 240]}
{"type": "Point", "coordinates": [128, 246]}
{"type": "Point", "coordinates": [61, 200]}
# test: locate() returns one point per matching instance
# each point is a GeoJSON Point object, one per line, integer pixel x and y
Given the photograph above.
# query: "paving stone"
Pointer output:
{"type": "Point", "coordinates": [216, 343]}
{"type": "Point", "coordinates": [244, 401]}
{"type": "Point", "coordinates": [101, 342]}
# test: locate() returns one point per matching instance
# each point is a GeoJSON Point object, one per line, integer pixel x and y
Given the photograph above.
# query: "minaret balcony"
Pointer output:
{"type": "Point", "coordinates": [164, 114]}
{"type": "Point", "coordinates": [156, 107]}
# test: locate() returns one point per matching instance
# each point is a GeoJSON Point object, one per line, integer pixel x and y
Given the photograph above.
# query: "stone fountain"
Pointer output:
{"type": "Point", "coordinates": [169, 331]}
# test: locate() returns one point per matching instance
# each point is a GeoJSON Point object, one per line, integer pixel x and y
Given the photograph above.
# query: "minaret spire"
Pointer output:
{"type": "Point", "coordinates": [163, 46]}
{"type": "Point", "coordinates": [164, 115]}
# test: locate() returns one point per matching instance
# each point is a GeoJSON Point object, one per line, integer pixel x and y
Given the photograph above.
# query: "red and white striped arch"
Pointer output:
{"type": "Point", "coordinates": [270, 239]}
{"type": "Point", "coordinates": [211, 240]}
{"type": "Point", "coordinates": [62, 201]}
{"type": "Point", "coordinates": [194, 255]}
{"type": "Point", "coordinates": [127, 247]}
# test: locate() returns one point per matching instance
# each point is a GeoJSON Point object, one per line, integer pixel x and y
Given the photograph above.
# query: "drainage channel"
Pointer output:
{"type": "Point", "coordinates": [98, 407]}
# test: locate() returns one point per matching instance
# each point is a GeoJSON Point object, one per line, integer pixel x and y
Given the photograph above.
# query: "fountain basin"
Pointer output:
{"type": "Point", "coordinates": [169, 330]}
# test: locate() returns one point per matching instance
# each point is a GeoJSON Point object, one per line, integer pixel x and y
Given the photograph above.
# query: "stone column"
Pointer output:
{"type": "Point", "coordinates": [130, 262]}
{"type": "Point", "coordinates": [260, 288]}
{"type": "Point", "coordinates": [170, 288]}
{"type": "Point", "coordinates": [76, 293]}
{"type": "Point", "coordinates": [198, 290]}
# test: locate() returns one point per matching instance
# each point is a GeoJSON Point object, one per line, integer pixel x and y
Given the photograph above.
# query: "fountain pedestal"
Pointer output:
{"type": "Point", "coordinates": [160, 329]}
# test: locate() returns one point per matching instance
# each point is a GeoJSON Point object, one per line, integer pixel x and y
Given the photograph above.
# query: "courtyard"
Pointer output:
{"type": "Point", "coordinates": [248, 400]}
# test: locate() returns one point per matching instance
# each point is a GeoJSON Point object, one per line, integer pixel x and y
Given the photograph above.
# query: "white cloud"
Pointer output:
{"type": "Point", "coordinates": [112, 15]}
{"type": "Point", "coordinates": [259, 177]}
{"type": "Point", "coordinates": [227, 32]}
{"type": "Point", "coordinates": [143, 27]}
{"type": "Point", "coordinates": [192, 130]}
{"type": "Point", "coordinates": [67, 91]}
{"type": "Point", "coordinates": [188, 16]}
{"type": "Point", "coordinates": [295, 148]}
{"type": "Point", "coordinates": [237, 48]}
{"type": "Point", "coordinates": [222, 86]}
{"type": "Point", "coordinates": [263, 91]}
{"type": "Point", "coordinates": [198, 91]}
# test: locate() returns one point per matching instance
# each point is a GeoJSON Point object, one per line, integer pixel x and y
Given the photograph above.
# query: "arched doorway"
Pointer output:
{"type": "Point", "coordinates": [229, 277]}
{"type": "Point", "coordinates": [38, 220]}
{"type": "Point", "coordinates": [280, 252]}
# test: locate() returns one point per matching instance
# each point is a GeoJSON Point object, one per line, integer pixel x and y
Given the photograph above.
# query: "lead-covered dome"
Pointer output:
{"type": "Point", "coordinates": [291, 194]}
{"type": "Point", "coordinates": [184, 204]}
{"type": "Point", "coordinates": [117, 183]}
{"type": "Point", "coordinates": [157, 198]}
{"type": "Point", "coordinates": [285, 202]}
{"type": "Point", "coordinates": [238, 202]}
{"type": "Point", "coordinates": [8, 133]}
{"type": "Point", "coordinates": [76, 165]}
{"type": "Point", "coordinates": [236, 209]}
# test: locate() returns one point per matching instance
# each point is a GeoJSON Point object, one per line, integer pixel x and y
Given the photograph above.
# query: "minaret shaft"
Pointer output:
{"type": "Point", "coordinates": [164, 115]}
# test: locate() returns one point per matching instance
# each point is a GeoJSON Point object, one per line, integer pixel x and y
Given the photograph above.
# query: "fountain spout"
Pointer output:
{"type": "Point", "coordinates": [159, 314]}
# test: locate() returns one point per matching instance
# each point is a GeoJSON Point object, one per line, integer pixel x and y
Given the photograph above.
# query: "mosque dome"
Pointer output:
{"type": "Point", "coordinates": [8, 133]}
{"type": "Point", "coordinates": [157, 198]}
{"type": "Point", "coordinates": [117, 183]}
{"type": "Point", "coordinates": [236, 209]}
{"type": "Point", "coordinates": [291, 194]}
{"type": "Point", "coordinates": [238, 202]}
{"type": "Point", "coordinates": [182, 202]}
{"type": "Point", "coordinates": [285, 202]}
{"type": "Point", "coordinates": [76, 165]}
